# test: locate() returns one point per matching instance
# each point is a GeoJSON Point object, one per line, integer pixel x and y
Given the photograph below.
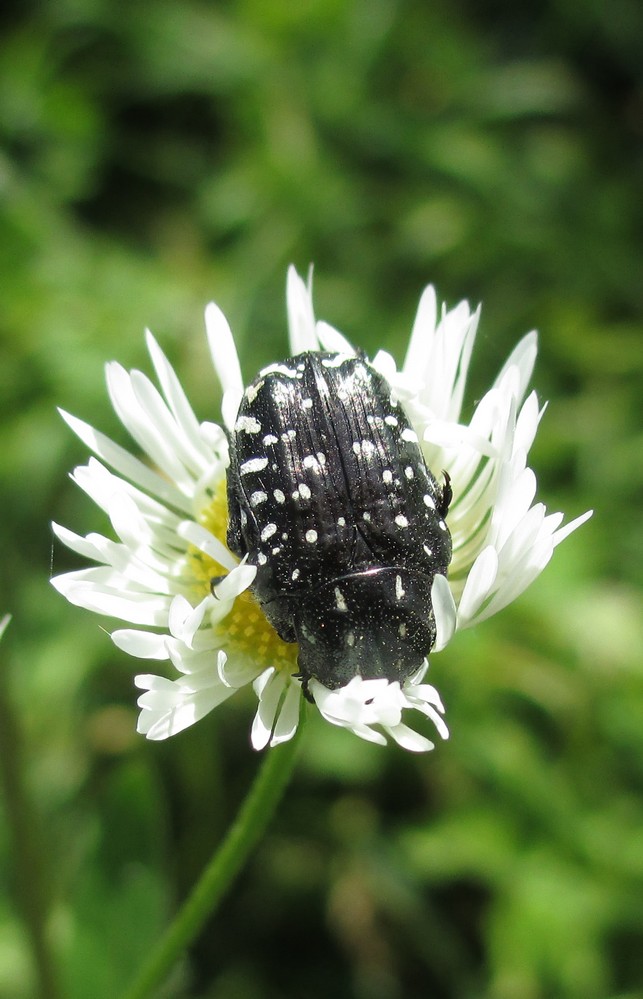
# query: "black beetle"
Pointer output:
{"type": "Point", "coordinates": [330, 497]}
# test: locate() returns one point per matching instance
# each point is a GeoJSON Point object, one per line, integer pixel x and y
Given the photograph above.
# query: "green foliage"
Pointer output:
{"type": "Point", "coordinates": [157, 155]}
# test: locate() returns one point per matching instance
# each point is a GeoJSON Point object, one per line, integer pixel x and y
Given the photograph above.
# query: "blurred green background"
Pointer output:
{"type": "Point", "coordinates": [158, 155]}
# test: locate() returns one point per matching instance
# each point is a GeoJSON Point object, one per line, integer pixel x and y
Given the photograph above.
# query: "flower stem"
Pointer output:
{"type": "Point", "coordinates": [29, 857]}
{"type": "Point", "coordinates": [256, 811]}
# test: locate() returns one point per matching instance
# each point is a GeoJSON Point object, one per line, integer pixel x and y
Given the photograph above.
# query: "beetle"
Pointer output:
{"type": "Point", "coordinates": [330, 498]}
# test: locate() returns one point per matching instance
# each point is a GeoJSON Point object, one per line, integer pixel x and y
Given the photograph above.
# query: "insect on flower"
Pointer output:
{"type": "Point", "coordinates": [330, 497]}
{"type": "Point", "coordinates": [320, 512]}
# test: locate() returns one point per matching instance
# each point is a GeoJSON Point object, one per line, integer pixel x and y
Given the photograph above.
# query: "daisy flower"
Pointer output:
{"type": "Point", "coordinates": [169, 517]}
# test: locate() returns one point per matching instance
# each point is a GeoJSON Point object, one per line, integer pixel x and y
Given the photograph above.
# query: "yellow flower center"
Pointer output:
{"type": "Point", "coordinates": [245, 632]}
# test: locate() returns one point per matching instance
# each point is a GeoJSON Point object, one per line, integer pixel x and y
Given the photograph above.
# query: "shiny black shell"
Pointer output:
{"type": "Point", "coordinates": [330, 497]}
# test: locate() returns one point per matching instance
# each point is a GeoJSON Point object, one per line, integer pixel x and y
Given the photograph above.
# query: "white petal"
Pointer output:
{"type": "Point", "coordinates": [195, 663]}
{"type": "Point", "coordinates": [184, 620]}
{"type": "Point", "coordinates": [238, 580]}
{"type": "Point", "coordinates": [446, 434]}
{"type": "Point", "coordinates": [522, 358]}
{"type": "Point", "coordinates": [362, 731]}
{"type": "Point", "coordinates": [100, 484]}
{"type": "Point", "coordinates": [269, 688]}
{"type": "Point", "coordinates": [125, 463]}
{"type": "Point", "coordinates": [185, 444]}
{"type": "Point", "coordinates": [301, 317]}
{"type": "Point", "coordinates": [426, 699]}
{"type": "Point", "coordinates": [444, 610]}
{"type": "Point", "coordinates": [82, 546]}
{"type": "Point", "coordinates": [148, 425]}
{"type": "Point", "coordinates": [512, 506]}
{"type": "Point", "coordinates": [235, 674]}
{"type": "Point", "coordinates": [422, 334]}
{"type": "Point", "coordinates": [206, 542]}
{"type": "Point", "coordinates": [528, 421]}
{"type": "Point", "coordinates": [130, 526]}
{"type": "Point", "coordinates": [565, 531]}
{"type": "Point", "coordinates": [332, 340]}
{"type": "Point", "coordinates": [385, 364]}
{"type": "Point", "coordinates": [288, 719]}
{"type": "Point", "coordinates": [141, 644]}
{"type": "Point", "coordinates": [408, 739]}
{"type": "Point", "coordinates": [478, 585]}
{"type": "Point", "coordinates": [226, 362]}
{"type": "Point", "coordinates": [89, 588]}
{"type": "Point", "coordinates": [177, 399]}
{"type": "Point", "coordinates": [164, 721]}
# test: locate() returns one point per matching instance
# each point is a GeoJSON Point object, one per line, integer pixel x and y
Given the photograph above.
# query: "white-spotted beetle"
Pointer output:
{"type": "Point", "coordinates": [330, 497]}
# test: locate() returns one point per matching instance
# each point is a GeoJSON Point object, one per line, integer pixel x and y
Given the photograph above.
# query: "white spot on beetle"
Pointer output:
{"type": "Point", "coordinates": [429, 501]}
{"type": "Point", "coordinates": [401, 520]}
{"type": "Point", "coordinates": [340, 602]}
{"type": "Point", "coordinates": [311, 537]}
{"type": "Point", "coordinates": [309, 461]}
{"type": "Point", "coordinates": [341, 522]}
{"type": "Point", "coordinates": [253, 391]}
{"type": "Point", "coordinates": [350, 638]}
{"type": "Point", "coordinates": [275, 551]}
{"type": "Point", "coordinates": [270, 439]}
{"type": "Point", "coordinates": [428, 550]}
{"type": "Point", "coordinates": [321, 457]}
{"type": "Point", "coordinates": [374, 421]}
{"type": "Point", "coordinates": [308, 635]}
{"type": "Point", "coordinates": [268, 531]}
{"type": "Point", "coordinates": [304, 490]}
{"type": "Point", "coordinates": [288, 435]}
{"type": "Point", "coordinates": [409, 435]}
{"type": "Point", "coordinates": [244, 518]}
{"type": "Point", "coordinates": [392, 421]}
{"type": "Point", "coordinates": [295, 574]}
{"type": "Point", "coordinates": [307, 403]}
{"type": "Point", "coordinates": [399, 589]}
{"type": "Point", "coordinates": [336, 361]}
{"type": "Point", "coordinates": [408, 471]}
{"type": "Point", "coordinates": [279, 369]}
{"type": "Point", "coordinates": [364, 447]}
{"type": "Point", "coordinates": [284, 536]}
{"type": "Point", "coordinates": [261, 558]}
{"type": "Point", "coordinates": [279, 496]}
{"type": "Point", "coordinates": [387, 476]}
{"type": "Point", "coordinates": [402, 630]}
{"type": "Point", "coordinates": [442, 525]}
{"type": "Point", "coordinates": [253, 465]}
{"type": "Point", "coordinates": [247, 425]}
{"type": "Point", "coordinates": [257, 498]}
{"type": "Point", "coordinates": [366, 516]}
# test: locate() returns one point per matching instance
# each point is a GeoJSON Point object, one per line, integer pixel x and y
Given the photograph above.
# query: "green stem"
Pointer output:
{"type": "Point", "coordinates": [29, 867]}
{"type": "Point", "coordinates": [256, 811]}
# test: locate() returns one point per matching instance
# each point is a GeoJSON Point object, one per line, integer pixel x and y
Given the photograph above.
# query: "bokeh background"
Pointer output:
{"type": "Point", "coordinates": [156, 155]}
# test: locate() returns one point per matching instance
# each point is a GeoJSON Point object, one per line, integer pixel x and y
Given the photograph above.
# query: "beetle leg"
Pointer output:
{"type": "Point", "coordinates": [447, 495]}
{"type": "Point", "coordinates": [304, 686]}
